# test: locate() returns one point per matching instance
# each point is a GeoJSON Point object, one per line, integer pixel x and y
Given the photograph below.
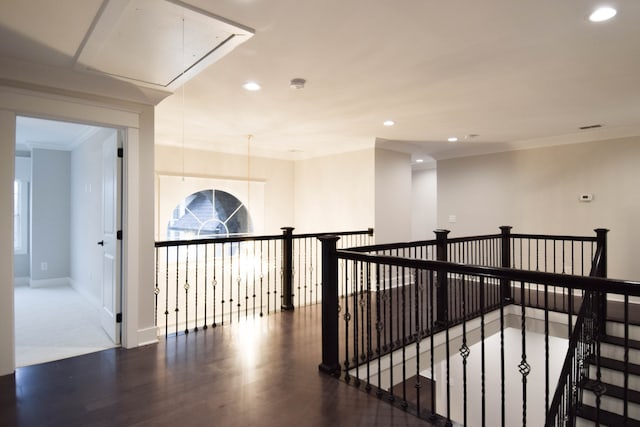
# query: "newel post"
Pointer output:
{"type": "Point", "coordinates": [287, 268]}
{"type": "Point", "coordinates": [601, 245]}
{"type": "Point", "coordinates": [442, 285]}
{"type": "Point", "coordinates": [601, 242]}
{"type": "Point", "coordinates": [330, 364]}
{"type": "Point", "coordinates": [506, 261]}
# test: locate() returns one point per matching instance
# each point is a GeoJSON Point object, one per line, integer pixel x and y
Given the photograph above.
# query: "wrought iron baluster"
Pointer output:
{"type": "Point", "coordinates": [385, 303]}
{"type": "Point", "coordinates": [186, 293]}
{"type": "Point", "coordinates": [253, 279]}
{"type": "Point", "coordinates": [206, 276]}
{"type": "Point", "coordinates": [247, 266]}
{"type": "Point", "coordinates": [269, 275]}
{"type": "Point", "coordinates": [464, 352]}
{"type": "Point", "coordinates": [482, 353]}
{"type": "Point", "coordinates": [404, 340]}
{"type": "Point", "coordinates": [156, 290]}
{"type": "Point", "coordinates": [262, 278]}
{"type": "Point", "coordinates": [503, 394]}
{"type": "Point", "coordinates": [546, 348]}
{"type": "Point", "coordinates": [431, 342]}
{"type": "Point", "coordinates": [347, 319]}
{"type": "Point", "coordinates": [222, 268]}
{"type": "Point", "coordinates": [166, 296]}
{"type": "Point", "coordinates": [195, 320]}
{"type": "Point", "coordinates": [392, 345]}
{"type": "Point", "coordinates": [524, 368]}
{"type": "Point", "coordinates": [177, 309]}
{"type": "Point", "coordinates": [448, 363]}
{"type": "Point", "coordinates": [242, 246]}
{"type": "Point", "coordinates": [625, 392]}
{"type": "Point", "coordinates": [300, 271]}
{"type": "Point", "coordinates": [418, 333]}
{"type": "Point", "coordinates": [297, 274]}
{"type": "Point", "coordinates": [315, 273]}
{"type": "Point", "coordinates": [369, 351]}
{"type": "Point", "coordinates": [356, 321]}
{"type": "Point", "coordinates": [214, 284]}
{"type": "Point", "coordinates": [379, 328]}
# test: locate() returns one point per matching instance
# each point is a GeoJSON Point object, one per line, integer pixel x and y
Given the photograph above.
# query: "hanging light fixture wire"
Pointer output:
{"type": "Point", "coordinates": [183, 96]}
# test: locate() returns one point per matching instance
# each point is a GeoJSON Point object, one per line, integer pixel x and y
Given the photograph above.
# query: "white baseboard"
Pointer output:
{"type": "Point", "coordinates": [21, 281]}
{"type": "Point", "coordinates": [43, 283]}
{"type": "Point", "coordinates": [147, 336]}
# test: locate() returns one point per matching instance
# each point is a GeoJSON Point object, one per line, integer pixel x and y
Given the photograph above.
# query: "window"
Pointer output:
{"type": "Point", "coordinates": [209, 213]}
{"type": "Point", "coordinates": [19, 217]}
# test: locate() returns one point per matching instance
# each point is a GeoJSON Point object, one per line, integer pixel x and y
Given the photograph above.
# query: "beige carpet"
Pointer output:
{"type": "Point", "coordinates": [55, 323]}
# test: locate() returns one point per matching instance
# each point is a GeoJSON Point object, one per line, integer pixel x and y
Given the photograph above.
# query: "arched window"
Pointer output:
{"type": "Point", "coordinates": [209, 213]}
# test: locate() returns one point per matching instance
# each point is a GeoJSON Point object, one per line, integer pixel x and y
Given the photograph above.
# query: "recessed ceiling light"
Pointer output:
{"type": "Point", "coordinates": [419, 160]}
{"type": "Point", "coordinates": [388, 123]}
{"type": "Point", "coordinates": [452, 139]}
{"type": "Point", "coordinates": [602, 14]}
{"type": "Point", "coordinates": [252, 86]}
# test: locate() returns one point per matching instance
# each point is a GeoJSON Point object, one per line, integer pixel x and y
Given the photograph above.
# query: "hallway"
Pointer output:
{"type": "Point", "coordinates": [261, 372]}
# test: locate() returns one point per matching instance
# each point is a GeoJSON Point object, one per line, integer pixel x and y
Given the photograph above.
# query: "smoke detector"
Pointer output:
{"type": "Point", "coordinates": [297, 83]}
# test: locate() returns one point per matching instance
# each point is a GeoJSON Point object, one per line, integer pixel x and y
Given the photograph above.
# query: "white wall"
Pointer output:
{"type": "Point", "coordinates": [50, 213]}
{"type": "Point", "coordinates": [536, 191]}
{"type": "Point", "coordinates": [393, 207]}
{"type": "Point", "coordinates": [424, 204]}
{"type": "Point", "coordinates": [86, 216]}
{"type": "Point", "coordinates": [277, 176]}
{"type": "Point", "coordinates": [334, 193]}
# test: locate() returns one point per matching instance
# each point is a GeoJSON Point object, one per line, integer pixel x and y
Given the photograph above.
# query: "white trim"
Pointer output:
{"type": "Point", "coordinates": [7, 175]}
{"type": "Point", "coordinates": [21, 281]}
{"type": "Point", "coordinates": [147, 336]}
{"type": "Point", "coordinates": [49, 283]}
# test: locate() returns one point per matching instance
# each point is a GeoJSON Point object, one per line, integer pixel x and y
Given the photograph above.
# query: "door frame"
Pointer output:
{"type": "Point", "coordinates": [137, 206]}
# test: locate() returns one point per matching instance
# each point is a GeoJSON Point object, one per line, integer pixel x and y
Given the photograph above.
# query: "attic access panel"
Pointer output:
{"type": "Point", "coordinates": [157, 43]}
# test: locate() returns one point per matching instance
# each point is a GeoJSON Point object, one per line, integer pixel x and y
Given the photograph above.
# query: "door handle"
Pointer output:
{"type": "Point", "coordinates": [101, 242]}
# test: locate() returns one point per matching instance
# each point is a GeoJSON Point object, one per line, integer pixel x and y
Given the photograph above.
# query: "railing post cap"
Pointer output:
{"type": "Point", "coordinates": [505, 228]}
{"type": "Point", "coordinates": [287, 230]}
{"type": "Point", "coordinates": [601, 230]}
{"type": "Point", "coordinates": [328, 238]}
{"type": "Point", "coordinates": [441, 231]}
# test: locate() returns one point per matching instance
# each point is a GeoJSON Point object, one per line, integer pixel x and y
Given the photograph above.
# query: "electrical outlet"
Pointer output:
{"type": "Point", "coordinates": [44, 266]}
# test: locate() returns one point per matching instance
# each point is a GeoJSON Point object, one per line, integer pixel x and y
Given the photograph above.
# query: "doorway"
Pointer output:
{"type": "Point", "coordinates": [67, 213]}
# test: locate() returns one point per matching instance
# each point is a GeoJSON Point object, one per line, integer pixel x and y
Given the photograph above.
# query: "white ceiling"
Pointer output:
{"type": "Point", "coordinates": [517, 74]}
{"type": "Point", "coordinates": [34, 132]}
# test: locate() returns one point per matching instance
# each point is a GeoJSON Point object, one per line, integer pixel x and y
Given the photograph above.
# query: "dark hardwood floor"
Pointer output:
{"type": "Point", "coordinates": [261, 372]}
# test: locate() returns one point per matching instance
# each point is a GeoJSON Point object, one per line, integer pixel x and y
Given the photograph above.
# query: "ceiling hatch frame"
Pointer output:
{"type": "Point", "coordinates": [156, 43]}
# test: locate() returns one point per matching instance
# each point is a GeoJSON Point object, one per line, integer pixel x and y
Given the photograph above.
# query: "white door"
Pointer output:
{"type": "Point", "coordinates": [111, 223]}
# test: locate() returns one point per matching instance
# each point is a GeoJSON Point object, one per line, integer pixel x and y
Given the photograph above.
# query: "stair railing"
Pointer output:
{"type": "Point", "coordinates": [385, 332]}
{"type": "Point", "coordinates": [584, 345]}
{"type": "Point", "coordinates": [202, 283]}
